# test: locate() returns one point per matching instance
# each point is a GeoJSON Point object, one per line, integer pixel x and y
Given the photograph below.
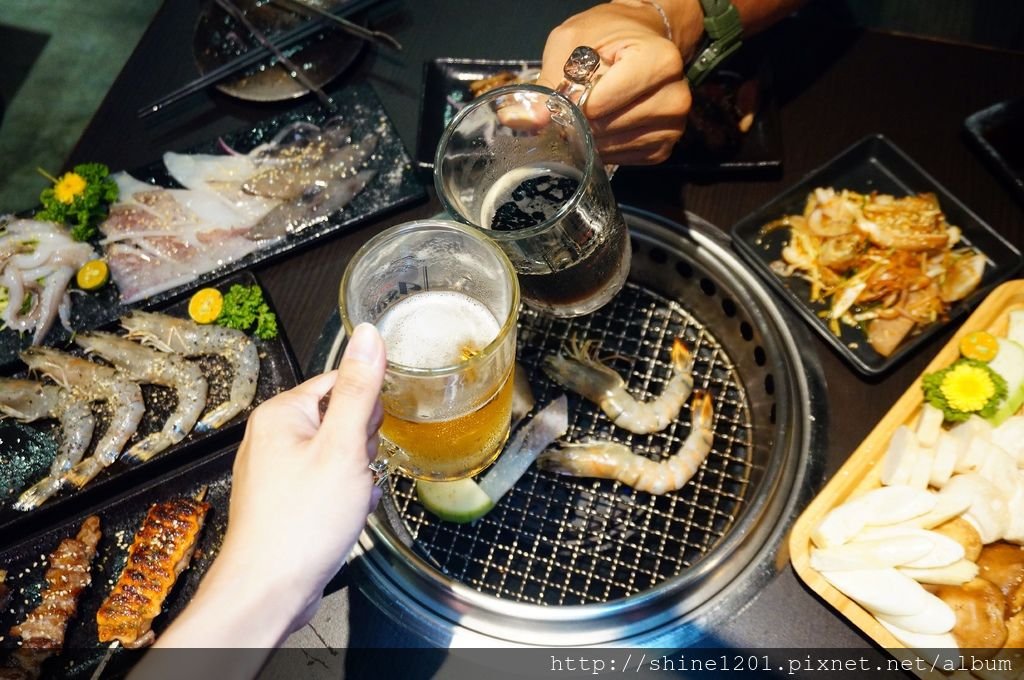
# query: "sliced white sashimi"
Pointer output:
{"type": "Point", "coordinates": [900, 457]}
{"type": "Point", "coordinates": [942, 551]}
{"type": "Point", "coordinates": [196, 170]}
{"type": "Point", "coordinates": [881, 591]}
{"type": "Point", "coordinates": [988, 509]}
{"type": "Point", "coordinates": [1010, 437]}
{"type": "Point", "coordinates": [921, 473]}
{"type": "Point", "coordinates": [839, 524]}
{"type": "Point", "coordinates": [1015, 508]}
{"type": "Point", "coordinates": [1000, 468]}
{"type": "Point", "coordinates": [929, 426]}
{"type": "Point", "coordinates": [923, 641]}
{"type": "Point", "coordinates": [936, 618]}
{"type": "Point", "coordinates": [943, 461]}
{"type": "Point", "coordinates": [947, 506]}
{"type": "Point", "coordinates": [955, 574]}
{"type": "Point", "coordinates": [870, 554]}
{"type": "Point", "coordinates": [878, 507]}
{"type": "Point", "coordinates": [971, 438]}
{"type": "Point", "coordinates": [894, 504]}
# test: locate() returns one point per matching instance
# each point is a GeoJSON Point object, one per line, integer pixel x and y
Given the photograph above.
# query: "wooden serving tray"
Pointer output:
{"type": "Point", "coordinates": [861, 472]}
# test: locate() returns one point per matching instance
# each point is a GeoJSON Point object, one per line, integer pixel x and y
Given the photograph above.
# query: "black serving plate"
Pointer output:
{"type": "Point", "coordinates": [395, 185]}
{"type": "Point", "coordinates": [26, 450]}
{"type": "Point", "coordinates": [998, 132]}
{"type": "Point", "coordinates": [872, 164]}
{"type": "Point", "coordinates": [120, 517]}
{"type": "Point", "coordinates": [446, 89]}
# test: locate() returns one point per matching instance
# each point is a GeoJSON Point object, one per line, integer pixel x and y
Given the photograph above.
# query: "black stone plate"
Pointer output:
{"type": "Point", "coordinates": [998, 132]}
{"type": "Point", "coordinates": [120, 517]}
{"type": "Point", "coordinates": [446, 89]}
{"type": "Point", "coordinates": [395, 186]}
{"type": "Point", "coordinates": [26, 450]}
{"type": "Point", "coordinates": [872, 164]}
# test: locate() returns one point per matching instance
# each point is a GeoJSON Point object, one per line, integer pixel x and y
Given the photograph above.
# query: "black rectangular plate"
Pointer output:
{"type": "Point", "coordinates": [872, 164]}
{"type": "Point", "coordinates": [395, 185]}
{"type": "Point", "coordinates": [23, 446]}
{"type": "Point", "coordinates": [446, 84]}
{"type": "Point", "coordinates": [120, 517]}
{"type": "Point", "coordinates": [998, 132]}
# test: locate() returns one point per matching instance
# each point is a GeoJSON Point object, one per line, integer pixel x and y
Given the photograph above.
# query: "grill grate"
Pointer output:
{"type": "Point", "coordinates": [559, 540]}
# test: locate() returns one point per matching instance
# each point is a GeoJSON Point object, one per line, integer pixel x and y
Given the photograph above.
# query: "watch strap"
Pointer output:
{"type": "Point", "coordinates": [724, 32]}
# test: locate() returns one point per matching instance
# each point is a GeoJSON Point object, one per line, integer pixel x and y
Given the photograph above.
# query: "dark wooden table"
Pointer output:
{"type": "Point", "coordinates": [835, 85]}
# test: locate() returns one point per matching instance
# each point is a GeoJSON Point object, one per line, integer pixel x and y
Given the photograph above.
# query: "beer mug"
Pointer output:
{"type": "Point", "coordinates": [519, 163]}
{"type": "Point", "coordinates": [445, 300]}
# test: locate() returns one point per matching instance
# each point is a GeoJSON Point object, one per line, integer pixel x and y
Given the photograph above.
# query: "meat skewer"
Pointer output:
{"type": "Point", "coordinates": [5, 592]}
{"type": "Point", "coordinates": [160, 551]}
{"type": "Point", "coordinates": [42, 631]}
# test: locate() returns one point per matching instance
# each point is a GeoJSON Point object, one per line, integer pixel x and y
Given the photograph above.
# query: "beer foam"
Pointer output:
{"type": "Point", "coordinates": [433, 328]}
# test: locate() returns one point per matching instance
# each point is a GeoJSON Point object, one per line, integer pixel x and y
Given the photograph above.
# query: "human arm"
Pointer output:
{"type": "Point", "coordinates": [638, 106]}
{"type": "Point", "coordinates": [301, 491]}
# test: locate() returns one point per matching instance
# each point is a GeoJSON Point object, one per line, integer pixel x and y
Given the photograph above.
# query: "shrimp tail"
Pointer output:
{"type": "Point", "coordinates": [682, 358]}
{"type": "Point", "coordinates": [218, 416]}
{"type": "Point", "coordinates": [149, 447]}
{"type": "Point", "coordinates": [83, 472]}
{"type": "Point", "coordinates": [39, 493]}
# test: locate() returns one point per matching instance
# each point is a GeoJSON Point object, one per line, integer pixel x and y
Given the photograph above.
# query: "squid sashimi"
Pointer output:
{"type": "Point", "coordinates": [157, 239]}
{"type": "Point", "coordinates": [231, 205]}
{"type": "Point", "coordinates": [37, 261]}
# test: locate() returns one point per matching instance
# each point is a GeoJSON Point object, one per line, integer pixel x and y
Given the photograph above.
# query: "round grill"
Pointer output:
{"type": "Point", "coordinates": [567, 560]}
{"type": "Point", "coordinates": [563, 540]}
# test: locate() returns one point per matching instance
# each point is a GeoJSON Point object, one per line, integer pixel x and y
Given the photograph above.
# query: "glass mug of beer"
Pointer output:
{"type": "Point", "coordinates": [519, 163]}
{"type": "Point", "coordinates": [445, 300]}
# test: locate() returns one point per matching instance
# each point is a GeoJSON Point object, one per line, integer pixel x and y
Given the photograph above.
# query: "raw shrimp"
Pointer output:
{"type": "Point", "coordinates": [181, 336]}
{"type": "Point", "coordinates": [90, 381]}
{"type": "Point", "coordinates": [612, 460]}
{"type": "Point", "coordinates": [28, 400]}
{"type": "Point", "coordinates": [585, 375]}
{"type": "Point", "coordinates": [146, 365]}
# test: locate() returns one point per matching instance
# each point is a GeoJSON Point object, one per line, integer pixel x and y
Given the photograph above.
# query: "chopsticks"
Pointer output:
{"type": "Point", "coordinates": [254, 56]}
{"type": "Point", "coordinates": [379, 37]}
{"type": "Point", "coordinates": [294, 69]}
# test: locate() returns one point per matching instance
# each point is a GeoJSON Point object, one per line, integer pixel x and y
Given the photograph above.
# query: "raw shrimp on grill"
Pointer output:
{"type": "Point", "coordinates": [181, 336]}
{"type": "Point", "coordinates": [91, 382]}
{"type": "Point", "coordinates": [612, 460]}
{"type": "Point", "coordinates": [146, 365]}
{"type": "Point", "coordinates": [585, 375]}
{"type": "Point", "coordinates": [28, 400]}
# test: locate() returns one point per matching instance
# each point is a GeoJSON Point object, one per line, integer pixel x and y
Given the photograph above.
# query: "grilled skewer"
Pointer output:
{"type": "Point", "coordinates": [5, 592]}
{"type": "Point", "coordinates": [42, 631]}
{"type": "Point", "coordinates": [160, 551]}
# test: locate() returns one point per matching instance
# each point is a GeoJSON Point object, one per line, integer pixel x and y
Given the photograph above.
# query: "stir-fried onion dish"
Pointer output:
{"type": "Point", "coordinates": [890, 265]}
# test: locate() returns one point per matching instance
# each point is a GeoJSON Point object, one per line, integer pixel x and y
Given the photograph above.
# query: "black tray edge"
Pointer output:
{"type": "Point", "coordinates": [909, 346]}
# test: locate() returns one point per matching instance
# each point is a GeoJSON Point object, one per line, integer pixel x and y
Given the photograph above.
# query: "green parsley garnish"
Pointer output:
{"type": "Point", "coordinates": [964, 388]}
{"type": "Point", "coordinates": [244, 307]}
{"type": "Point", "coordinates": [79, 198]}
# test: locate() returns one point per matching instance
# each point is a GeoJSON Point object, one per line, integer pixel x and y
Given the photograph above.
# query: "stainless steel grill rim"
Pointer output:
{"type": "Point", "coordinates": [402, 572]}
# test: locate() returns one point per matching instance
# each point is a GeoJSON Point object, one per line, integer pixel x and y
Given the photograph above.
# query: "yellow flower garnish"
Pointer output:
{"type": "Point", "coordinates": [967, 388]}
{"type": "Point", "coordinates": [69, 187]}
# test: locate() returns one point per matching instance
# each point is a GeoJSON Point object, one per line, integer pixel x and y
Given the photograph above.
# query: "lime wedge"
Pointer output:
{"type": "Point", "coordinates": [460, 501]}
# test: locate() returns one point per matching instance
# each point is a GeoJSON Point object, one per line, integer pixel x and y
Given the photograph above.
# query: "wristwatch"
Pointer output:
{"type": "Point", "coordinates": [722, 30]}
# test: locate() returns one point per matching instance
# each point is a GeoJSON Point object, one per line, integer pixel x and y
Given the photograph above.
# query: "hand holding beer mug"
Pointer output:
{"type": "Point", "coordinates": [445, 300]}
{"type": "Point", "coordinates": [519, 163]}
